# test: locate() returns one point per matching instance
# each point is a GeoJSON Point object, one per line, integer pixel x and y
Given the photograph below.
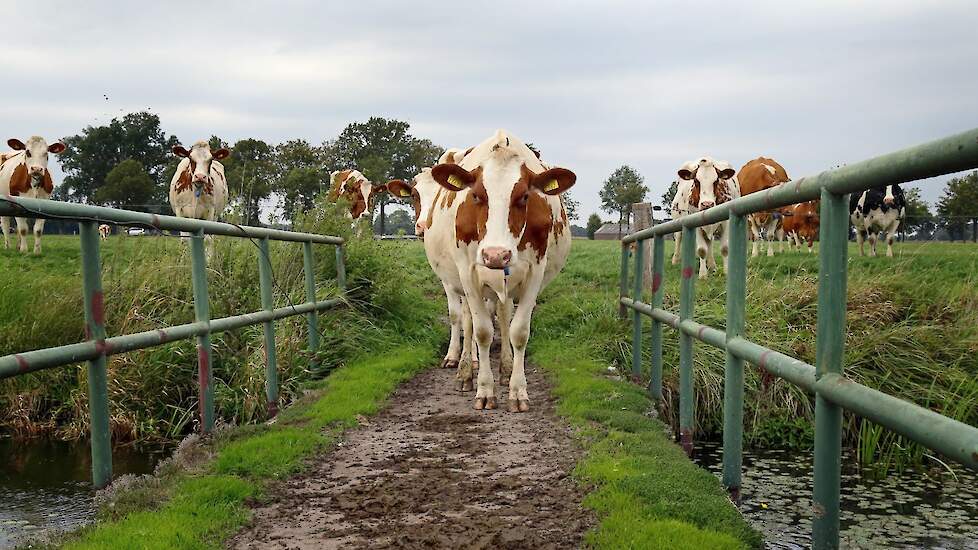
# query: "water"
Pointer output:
{"type": "Point", "coordinates": [908, 510]}
{"type": "Point", "coordinates": [46, 486]}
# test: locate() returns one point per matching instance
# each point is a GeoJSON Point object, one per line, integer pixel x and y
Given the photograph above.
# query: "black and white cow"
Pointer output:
{"type": "Point", "coordinates": [878, 209]}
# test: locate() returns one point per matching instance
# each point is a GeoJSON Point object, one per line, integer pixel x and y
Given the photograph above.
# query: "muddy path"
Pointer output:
{"type": "Point", "coordinates": [431, 472]}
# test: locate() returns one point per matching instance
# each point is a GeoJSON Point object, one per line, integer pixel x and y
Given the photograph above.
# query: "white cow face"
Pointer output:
{"type": "Point", "coordinates": [505, 210]}
{"type": "Point", "coordinates": [36, 156]}
{"type": "Point", "coordinates": [422, 194]}
{"type": "Point", "coordinates": [708, 177]}
{"type": "Point", "coordinates": [201, 157]}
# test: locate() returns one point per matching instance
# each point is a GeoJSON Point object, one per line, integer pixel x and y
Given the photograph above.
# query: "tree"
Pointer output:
{"type": "Point", "coordinates": [571, 206]}
{"type": "Point", "coordinates": [593, 224]}
{"type": "Point", "coordinates": [383, 149]}
{"type": "Point", "coordinates": [299, 175]}
{"type": "Point", "coordinates": [622, 188]}
{"type": "Point", "coordinates": [669, 195]}
{"type": "Point", "coordinates": [250, 173]}
{"type": "Point", "coordinates": [127, 186]}
{"type": "Point", "coordinates": [958, 204]}
{"type": "Point", "coordinates": [917, 216]}
{"type": "Point", "coordinates": [91, 155]}
{"type": "Point", "coordinates": [397, 222]}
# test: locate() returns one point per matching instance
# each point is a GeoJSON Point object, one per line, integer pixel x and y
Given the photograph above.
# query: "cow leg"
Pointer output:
{"type": "Point", "coordinates": [872, 243]}
{"type": "Point", "coordinates": [451, 359]}
{"type": "Point", "coordinates": [38, 231]}
{"type": "Point", "coordinates": [675, 252]}
{"type": "Point", "coordinates": [780, 234]}
{"type": "Point", "coordinates": [485, 394]}
{"type": "Point", "coordinates": [860, 236]}
{"type": "Point", "coordinates": [22, 234]}
{"type": "Point", "coordinates": [504, 316]}
{"type": "Point", "coordinates": [755, 231]}
{"type": "Point", "coordinates": [771, 234]}
{"type": "Point", "coordinates": [725, 245]}
{"type": "Point", "coordinates": [890, 233]}
{"type": "Point", "coordinates": [702, 249]}
{"type": "Point", "coordinates": [468, 364]}
{"type": "Point", "coordinates": [519, 333]}
{"type": "Point", "coordinates": [5, 224]}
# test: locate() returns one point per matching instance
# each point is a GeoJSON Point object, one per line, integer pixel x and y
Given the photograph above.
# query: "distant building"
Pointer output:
{"type": "Point", "coordinates": [611, 232]}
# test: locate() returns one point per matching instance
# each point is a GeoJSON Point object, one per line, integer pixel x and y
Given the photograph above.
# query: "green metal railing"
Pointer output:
{"type": "Point", "coordinates": [834, 392]}
{"type": "Point", "coordinates": [97, 347]}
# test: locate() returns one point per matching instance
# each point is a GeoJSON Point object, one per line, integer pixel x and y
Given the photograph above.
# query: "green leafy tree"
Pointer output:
{"type": "Point", "coordinates": [959, 204]}
{"type": "Point", "coordinates": [91, 155]}
{"type": "Point", "coordinates": [918, 216]}
{"type": "Point", "coordinates": [669, 195]}
{"type": "Point", "coordinates": [127, 186]}
{"type": "Point", "coordinates": [622, 188]}
{"type": "Point", "coordinates": [593, 224]}
{"type": "Point", "coordinates": [571, 206]}
{"type": "Point", "coordinates": [383, 149]}
{"type": "Point", "coordinates": [250, 172]}
{"type": "Point", "coordinates": [299, 175]}
{"type": "Point", "coordinates": [397, 222]}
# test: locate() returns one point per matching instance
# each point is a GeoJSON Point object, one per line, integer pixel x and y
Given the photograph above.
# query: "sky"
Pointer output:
{"type": "Point", "coordinates": [594, 85]}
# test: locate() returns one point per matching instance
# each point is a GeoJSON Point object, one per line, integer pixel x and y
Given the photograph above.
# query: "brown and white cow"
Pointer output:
{"type": "Point", "coordinates": [24, 173]}
{"type": "Point", "coordinates": [507, 233]}
{"type": "Point", "coordinates": [103, 231]}
{"type": "Point", "coordinates": [359, 192]}
{"type": "Point", "coordinates": [703, 184]}
{"type": "Point", "coordinates": [199, 189]}
{"type": "Point", "coordinates": [801, 224]}
{"type": "Point", "coordinates": [759, 175]}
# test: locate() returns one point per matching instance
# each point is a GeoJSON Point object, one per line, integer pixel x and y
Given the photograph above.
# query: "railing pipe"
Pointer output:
{"type": "Point", "coordinates": [271, 365]}
{"type": "Point", "coordinates": [687, 300]}
{"type": "Point", "coordinates": [202, 314]}
{"type": "Point", "coordinates": [312, 318]}
{"type": "Point", "coordinates": [98, 391]}
{"type": "Point", "coordinates": [733, 384]}
{"type": "Point", "coordinates": [636, 316]}
{"type": "Point", "coordinates": [341, 267]}
{"type": "Point", "coordinates": [658, 270]}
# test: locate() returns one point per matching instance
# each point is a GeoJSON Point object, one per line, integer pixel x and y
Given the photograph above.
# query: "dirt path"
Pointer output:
{"type": "Point", "coordinates": [431, 472]}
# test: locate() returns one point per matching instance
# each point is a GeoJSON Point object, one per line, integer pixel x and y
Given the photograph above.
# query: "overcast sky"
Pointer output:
{"type": "Point", "coordinates": [595, 85]}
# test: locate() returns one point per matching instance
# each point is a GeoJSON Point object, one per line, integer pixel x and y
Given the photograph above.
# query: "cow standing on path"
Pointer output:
{"type": "Point", "coordinates": [759, 175]}
{"type": "Point", "coordinates": [199, 189]}
{"type": "Point", "coordinates": [875, 210]}
{"type": "Point", "coordinates": [24, 173]}
{"type": "Point", "coordinates": [704, 184]}
{"type": "Point", "coordinates": [508, 235]}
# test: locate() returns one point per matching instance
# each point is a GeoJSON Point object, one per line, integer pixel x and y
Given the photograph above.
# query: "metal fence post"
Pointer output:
{"type": "Point", "coordinates": [623, 280]}
{"type": "Point", "coordinates": [312, 318]}
{"type": "Point", "coordinates": [829, 347]}
{"type": "Point", "coordinates": [658, 269]}
{"type": "Point", "coordinates": [636, 316]}
{"type": "Point", "coordinates": [341, 267]}
{"type": "Point", "coordinates": [733, 385]}
{"type": "Point", "coordinates": [98, 391]}
{"type": "Point", "coordinates": [202, 313]}
{"type": "Point", "coordinates": [687, 299]}
{"type": "Point", "coordinates": [271, 366]}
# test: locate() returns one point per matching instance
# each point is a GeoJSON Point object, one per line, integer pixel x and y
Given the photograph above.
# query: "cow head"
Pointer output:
{"type": "Point", "coordinates": [421, 196]}
{"type": "Point", "coordinates": [201, 158]}
{"type": "Point", "coordinates": [504, 210]}
{"type": "Point", "coordinates": [356, 189]}
{"type": "Point", "coordinates": [35, 172]}
{"type": "Point", "coordinates": [709, 178]}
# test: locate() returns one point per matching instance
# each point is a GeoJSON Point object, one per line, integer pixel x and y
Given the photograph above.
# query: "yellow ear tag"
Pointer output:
{"type": "Point", "coordinates": [456, 181]}
{"type": "Point", "coordinates": [405, 193]}
{"type": "Point", "coordinates": [553, 184]}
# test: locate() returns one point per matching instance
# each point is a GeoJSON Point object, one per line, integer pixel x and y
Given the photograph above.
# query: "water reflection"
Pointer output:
{"type": "Point", "coordinates": [45, 486]}
{"type": "Point", "coordinates": [908, 510]}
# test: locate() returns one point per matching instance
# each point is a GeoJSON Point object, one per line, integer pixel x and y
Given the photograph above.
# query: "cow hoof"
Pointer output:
{"type": "Point", "coordinates": [480, 403]}
{"type": "Point", "coordinates": [490, 403]}
{"type": "Point", "coordinates": [524, 405]}
{"type": "Point", "coordinates": [512, 406]}
{"type": "Point", "coordinates": [460, 385]}
{"type": "Point", "coordinates": [449, 363]}
{"type": "Point", "coordinates": [467, 385]}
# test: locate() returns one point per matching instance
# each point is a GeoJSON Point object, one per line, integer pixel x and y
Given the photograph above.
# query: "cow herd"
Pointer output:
{"type": "Point", "coordinates": [707, 182]}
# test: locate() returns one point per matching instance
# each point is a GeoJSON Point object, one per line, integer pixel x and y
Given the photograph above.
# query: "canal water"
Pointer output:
{"type": "Point", "coordinates": [907, 510]}
{"type": "Point", "coordinates": [46, 486]}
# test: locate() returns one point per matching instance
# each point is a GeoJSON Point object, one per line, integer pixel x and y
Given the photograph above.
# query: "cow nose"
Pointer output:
{"type": "Point", "coordinates": [420, 228]}
{"type": "Point", "coordinates": [888, 200]}
{"type": "Point", "coordinates": [496, 257]}
{"type": "Point", "coordinates": [706, 204]}
{"type": "Point", "coordinates": [200, 177]}
{"type": "Point", "coordinates": [36, 170]}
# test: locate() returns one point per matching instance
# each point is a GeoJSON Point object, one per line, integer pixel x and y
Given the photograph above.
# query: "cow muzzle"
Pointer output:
{"type": "Point", "coordinates": [420, 228]}
{"type": "Point", "coordinates": [496, 257]}
{"type": "Point", "coordinates": [888, 201]}
{"type": "Point", "coordinates": [706, 204]}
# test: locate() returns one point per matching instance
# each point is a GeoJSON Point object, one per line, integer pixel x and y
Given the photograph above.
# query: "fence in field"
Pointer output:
{"type": "Point", "coordinates": [833, 390]}
{"type": "Point", "coordinates": [98, 346]}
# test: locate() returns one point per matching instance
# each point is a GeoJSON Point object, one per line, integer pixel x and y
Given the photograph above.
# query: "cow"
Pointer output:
{"type": "Point", "coordinates": [24, 173]}
{"type": "Point", "coordinates": [103, 231]}
{"type": "Point", "coordinates": [199, 189]}
{"type": "Point", "coordinates": [801, 224]}
{"type": "Point", "coordinates": [877, 209]}
{"type": "Point", "coordinates": [705, 183]}
{"type": "Point", "coordinates": [426, 195]}
{"type": "Point", "coordinates": [360, 192]}
{"type": "Point", "coordinates": [506, 230]}
{"type": "Point", "coordinates": [759, 175]}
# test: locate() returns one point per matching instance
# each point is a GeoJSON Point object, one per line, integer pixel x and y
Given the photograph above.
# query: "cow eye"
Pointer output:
{"type": "Point", "coordinates": [523, 199]}
{"type": "Point", "coordinates": [28, 154]}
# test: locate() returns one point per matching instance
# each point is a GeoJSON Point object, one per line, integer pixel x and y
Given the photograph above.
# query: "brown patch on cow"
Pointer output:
{"type": "Point", "coordinates": [20, 180]}
{"type": "Point", "coordinates": [755, 177]}
{"type": "Point", "coordinates": [48, 184]}
{"type": "Point", "coordinates": [431, 211]}
{"type": "Point", "coordinates": [337, 187]}
{"type": "Point", "coordinates": [447, 199]}
{"type": "Point", "coordinates": [803, 220]}
{"type": "Point", "coordinates": [473, 213]}
{"type": "Point", "coordinates": [184, 181]}
{"type": "Point", "coordinates": [694, 195]}
{"type": "Point", "coordinates": [519, 199]}
{"type": "Point", "coordinates": [375, 191]}
{"type": "Point", "coordinates": [539, 223]}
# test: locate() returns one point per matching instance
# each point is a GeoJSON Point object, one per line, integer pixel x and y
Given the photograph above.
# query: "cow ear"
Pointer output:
{"type": "Point", "coordinates": [16, 144]}
{"type": "Point", "coordinates": [221, 153]}
{"type": "Point", "coordinates": [56, 148]}
{"type": "Point", "coordinates": [179, 151]}
{"type": "Point", "coordinates": [452, 176]}
{"type": "Point", "coordinates": [399, 188]}
{"type": "Point", "coordinates": [554, 181]}
{"type": "Point", "coordinates": [726, 173]}
{"type": "Point", "coordinates": [686, 173]}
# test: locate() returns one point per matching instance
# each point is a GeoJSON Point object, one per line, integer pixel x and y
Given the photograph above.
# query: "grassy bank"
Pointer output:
{"type": "Point", "coordinates": [912, 332]}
